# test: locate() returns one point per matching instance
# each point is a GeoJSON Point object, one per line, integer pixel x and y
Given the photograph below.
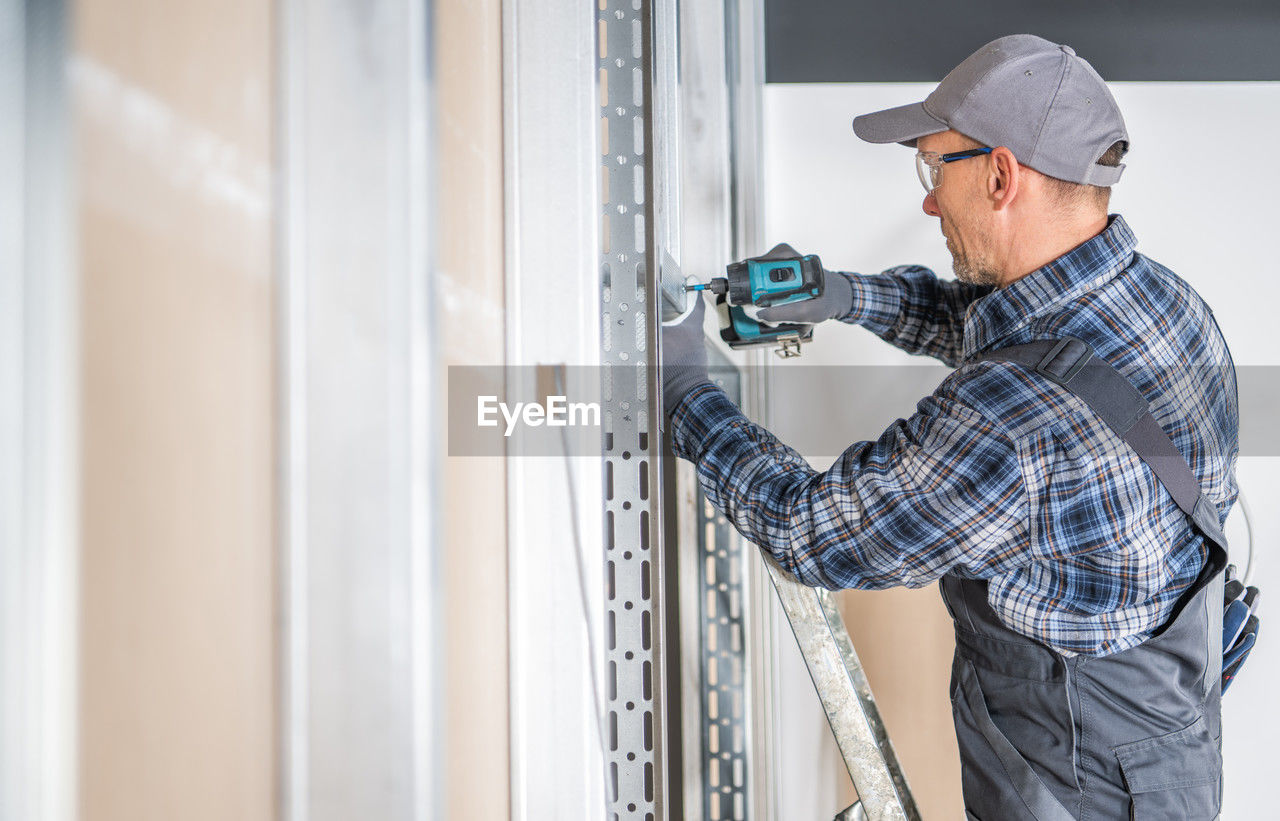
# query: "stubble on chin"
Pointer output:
{"type": "Point", "coordinates": [971, 274]}
{"type": "Point", "coordinates": [969, 271]}
{"type": "Point", "coordinates": [974, 276]}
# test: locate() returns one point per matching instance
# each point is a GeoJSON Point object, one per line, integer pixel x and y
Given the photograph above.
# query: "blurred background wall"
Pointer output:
{"type": "Point", "coordinates": [179, 147]}
{"type": "Point", "coordinates": [172, 105]}
{"type": "Point", "coordinates": [472, 318]}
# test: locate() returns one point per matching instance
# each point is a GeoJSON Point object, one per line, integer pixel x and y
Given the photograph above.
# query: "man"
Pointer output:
{"type": "Point", "coordinates": [1086, 677]}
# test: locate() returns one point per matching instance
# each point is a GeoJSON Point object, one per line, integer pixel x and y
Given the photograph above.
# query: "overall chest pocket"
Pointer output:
{"type": "Point", "coordinates": [1177, 775]}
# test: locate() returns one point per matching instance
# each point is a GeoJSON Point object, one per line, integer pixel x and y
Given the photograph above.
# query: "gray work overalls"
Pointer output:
{"type": "Point", "coordinates": [1136, 734]}
{"type": "Point", "coordinates": [1131, 735]}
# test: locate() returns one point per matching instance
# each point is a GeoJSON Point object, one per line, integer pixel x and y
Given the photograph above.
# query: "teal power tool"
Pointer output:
{"type": "Point", "coordinates": [781, 277]}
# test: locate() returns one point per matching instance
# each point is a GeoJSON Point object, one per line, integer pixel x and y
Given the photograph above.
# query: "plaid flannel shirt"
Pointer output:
{"type": "Point", "coordinates": [1001, 474]}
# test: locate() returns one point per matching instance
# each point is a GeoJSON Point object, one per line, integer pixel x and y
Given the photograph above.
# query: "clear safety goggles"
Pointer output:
{"type": "Point", "coordinates": [929, 165]}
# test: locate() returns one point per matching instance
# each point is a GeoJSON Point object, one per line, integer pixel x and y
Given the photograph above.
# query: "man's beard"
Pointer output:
{"type": "Point", "coordinates": [969, 270]}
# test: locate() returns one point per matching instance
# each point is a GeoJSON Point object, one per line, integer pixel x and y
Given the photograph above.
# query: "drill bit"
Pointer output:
{"type": "Point", "coordinates": [716, 286]}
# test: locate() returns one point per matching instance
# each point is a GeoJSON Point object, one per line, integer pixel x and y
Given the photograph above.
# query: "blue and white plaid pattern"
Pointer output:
{"type": "Point", "coordinates": [1001, 474]}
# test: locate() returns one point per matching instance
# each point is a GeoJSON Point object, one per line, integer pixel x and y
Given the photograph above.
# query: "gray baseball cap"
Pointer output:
{"type": "Point", "coordinates": [1038, 99]}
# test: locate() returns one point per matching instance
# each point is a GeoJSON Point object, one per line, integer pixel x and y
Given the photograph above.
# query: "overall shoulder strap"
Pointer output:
{"type": "Point", "coordinates": [1072, 364]}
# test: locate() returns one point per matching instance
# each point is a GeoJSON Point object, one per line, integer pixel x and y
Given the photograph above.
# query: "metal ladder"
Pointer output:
{"type": "Point", "coordinates": [846, 698]}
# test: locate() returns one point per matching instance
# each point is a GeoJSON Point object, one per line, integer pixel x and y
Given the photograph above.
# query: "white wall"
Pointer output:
{"type": "Point", "coordinates": [1198, 193]}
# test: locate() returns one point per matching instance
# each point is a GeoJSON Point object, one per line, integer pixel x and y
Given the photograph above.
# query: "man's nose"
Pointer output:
{"type": "Point", "coordinates": [930, 205]}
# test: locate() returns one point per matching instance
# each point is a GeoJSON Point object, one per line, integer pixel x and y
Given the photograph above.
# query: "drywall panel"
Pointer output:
{"type": "Point", "coordinates": [171, 102]}
{"type": "Point", "coordinates": [470, 317]}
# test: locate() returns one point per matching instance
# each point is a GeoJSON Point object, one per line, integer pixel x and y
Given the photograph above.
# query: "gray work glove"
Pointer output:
{"type": "Point", "coordinates": [684, 355]}
{"type": "Point", "coordinates": [836, 300]}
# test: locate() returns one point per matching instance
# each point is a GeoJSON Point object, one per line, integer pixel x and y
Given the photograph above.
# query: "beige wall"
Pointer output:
{"type": "Point", "coordinates": [905, 639]}
{"type": "Point", "coordinates": [174, 119]}
{"type": "Point", "coordinates": [471, 320]}
{"type": "Point", "coordinates": [171, 101]}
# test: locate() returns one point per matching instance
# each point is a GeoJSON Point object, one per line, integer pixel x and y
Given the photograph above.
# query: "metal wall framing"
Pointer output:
{"type": "Point", "coordinates": [39, 481]}
{"type": "Point", "coordinates": [744, 34]}
{"type": "Point", "coordinates": [637, 42]}
{"type": "Point", "coordinates": [715, 711]}
{"type": "Point", "coordinates": [357, 413]}
{"type": "Point", "coordinates": [722, 62]}
{"type": "Point", "coordinates": [625, 109]}
{"type": "Point", "coordinates": [724, 600]}
{"type": "Point", "coordinates": [725, 709]}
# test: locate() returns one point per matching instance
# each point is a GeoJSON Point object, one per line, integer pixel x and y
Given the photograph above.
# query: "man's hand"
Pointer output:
{"type": "Point", "coordinates": [836, 301]}
{"type": "Point", "coordinates": [684, 355]}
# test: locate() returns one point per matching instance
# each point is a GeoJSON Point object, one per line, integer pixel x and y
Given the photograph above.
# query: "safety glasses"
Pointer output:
{"type": "Point", "coordinates": [929, 165]}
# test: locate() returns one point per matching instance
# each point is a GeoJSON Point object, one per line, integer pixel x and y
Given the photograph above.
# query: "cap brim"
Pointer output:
{"type": "Point", "coordinates": [898, 125]}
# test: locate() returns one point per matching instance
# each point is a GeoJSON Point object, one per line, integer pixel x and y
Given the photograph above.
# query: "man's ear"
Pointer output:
{"type": "Point", "coordinates": [1004, 177]}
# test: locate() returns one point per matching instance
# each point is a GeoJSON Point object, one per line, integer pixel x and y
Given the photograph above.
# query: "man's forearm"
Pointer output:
{"type": "Point", "coordinates": [939, 489]}
{"type": "Point", "coordinates": [910, 308]}
{"type": "Point", "coordinates": [748, 475]}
